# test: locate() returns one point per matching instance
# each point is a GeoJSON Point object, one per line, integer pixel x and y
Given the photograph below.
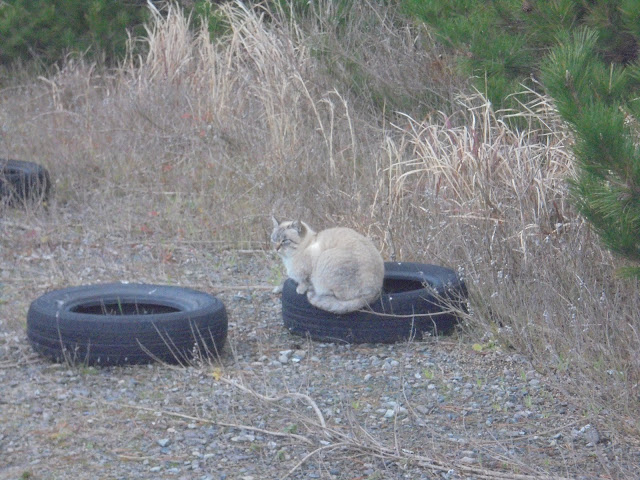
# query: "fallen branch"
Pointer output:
{"type": "Point", "coordinates": [213, 422]}
{"type": "Point", "coordinates": [301, 396]}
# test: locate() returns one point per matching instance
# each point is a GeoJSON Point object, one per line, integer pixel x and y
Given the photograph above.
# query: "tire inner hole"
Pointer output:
{"type": "Point", "coordinates": [122, 307]}
{"type": "Point", "coordinates": [392, 285]}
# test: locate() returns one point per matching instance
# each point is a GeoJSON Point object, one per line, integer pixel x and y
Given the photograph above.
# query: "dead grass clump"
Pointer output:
{"type": "Point", "coordinates": [481, 171]}
{"type": "Point", "coordinates": [494, 201]}
{"type": "Point", "coordinates": [260, 124]}
{"type": "Point", "coordinates": [385, 64]}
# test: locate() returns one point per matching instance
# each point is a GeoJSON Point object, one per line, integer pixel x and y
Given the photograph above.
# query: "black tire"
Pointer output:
{"type": "Point", "coordinates": [405, 310]}
{"type": "Point", "coordinates": [22, 182]}
{"type": "Point", "coordinates": [116, 324]}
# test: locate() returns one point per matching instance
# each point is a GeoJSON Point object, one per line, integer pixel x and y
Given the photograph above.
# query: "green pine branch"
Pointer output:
{"type": "Point", "coordinates": [599, 101]}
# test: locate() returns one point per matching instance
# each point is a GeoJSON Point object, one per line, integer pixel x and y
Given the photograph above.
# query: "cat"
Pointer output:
{"type": "Point", "coordinates": [340, 270]}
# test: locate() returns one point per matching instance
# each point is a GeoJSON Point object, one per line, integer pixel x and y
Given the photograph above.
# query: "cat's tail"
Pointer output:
{"type": "Point", "coordinates": [334, 305]}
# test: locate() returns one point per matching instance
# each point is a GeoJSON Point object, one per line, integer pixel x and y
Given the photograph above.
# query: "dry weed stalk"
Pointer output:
{"type": "Point", "coordinates": [170, 45]}
{"type": "Point", "coordinates": [249, 428]}
{"type": "Point", "coordinates": [483, 171]}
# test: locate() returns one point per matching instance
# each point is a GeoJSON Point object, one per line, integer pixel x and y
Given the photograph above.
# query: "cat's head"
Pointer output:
{"type": "Point", "coordinates": [286, 236]}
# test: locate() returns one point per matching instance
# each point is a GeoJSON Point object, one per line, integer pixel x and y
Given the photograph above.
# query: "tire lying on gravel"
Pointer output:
{"type": "Point", "coordinates": [22, 182]}
{"type": "Point", "coordinates": [117, 324]}
{"type": "Point", "coordinates": [416, 299]}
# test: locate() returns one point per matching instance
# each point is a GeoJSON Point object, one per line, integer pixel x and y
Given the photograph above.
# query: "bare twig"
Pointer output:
{"type": "Point", "coordinates": [213, 422]}
{"type": "Point", "coordinates": [296, 395]}
{"type": "Point", "coordinates": [333, 446]}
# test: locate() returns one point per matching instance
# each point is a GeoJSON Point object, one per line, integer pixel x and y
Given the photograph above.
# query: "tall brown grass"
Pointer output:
{"type": "Point", "coordinates": [200, 141]}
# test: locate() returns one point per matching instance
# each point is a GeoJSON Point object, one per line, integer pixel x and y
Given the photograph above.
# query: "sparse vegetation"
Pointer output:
{"type": "Point", "coordinates": [190, 148]}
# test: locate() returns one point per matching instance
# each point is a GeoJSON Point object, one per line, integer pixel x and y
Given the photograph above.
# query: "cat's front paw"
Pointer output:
{"type": "Point", "coordinates": [302, 288]}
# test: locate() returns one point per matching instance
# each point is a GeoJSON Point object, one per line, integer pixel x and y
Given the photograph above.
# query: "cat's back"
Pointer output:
{"type": "Point", "coordinates": [348, 262]}
{"type": "Point", "coordinates": [345, 245]}
{"type": "Point", "coordinates": [341, 237]}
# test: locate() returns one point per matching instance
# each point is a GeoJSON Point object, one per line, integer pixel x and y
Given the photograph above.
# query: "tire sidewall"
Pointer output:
{"type": "Point", "coordinates": [55, 330]}
{"type": "Point", "coordinates": [22, 181]}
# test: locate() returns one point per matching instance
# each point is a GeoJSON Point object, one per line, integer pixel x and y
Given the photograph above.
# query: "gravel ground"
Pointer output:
{"type": "Point", "coordinates": [275, 405]}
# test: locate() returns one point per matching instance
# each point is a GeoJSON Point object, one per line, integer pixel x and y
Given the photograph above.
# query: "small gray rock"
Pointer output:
{"type": "Point", "coordinates": [164, 442]}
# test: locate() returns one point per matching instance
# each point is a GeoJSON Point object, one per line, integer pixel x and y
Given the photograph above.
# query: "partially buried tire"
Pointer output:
{"type": "Point", "coordinates": [22, 182]}
{"type": "Point", "coordinates": [416, 299]}
{"type": "Point", "coordinates": [117, 324]}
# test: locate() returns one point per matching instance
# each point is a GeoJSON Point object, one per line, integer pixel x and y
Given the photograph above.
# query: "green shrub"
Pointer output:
{"type": "Point", "coordinates": [600, 102]}
{"type": "Point", "coordinates": [502, 42]}
{"type": "Point", "coordinates": [217, 24]}
{"type": "Point", "coordinates": [48, 29]}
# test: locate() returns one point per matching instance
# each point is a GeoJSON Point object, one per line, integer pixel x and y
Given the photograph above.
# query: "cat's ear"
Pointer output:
{"type": "Point", "coordinates": [275, 222]}
{"type": "Point", "coordinates": [300, 227]}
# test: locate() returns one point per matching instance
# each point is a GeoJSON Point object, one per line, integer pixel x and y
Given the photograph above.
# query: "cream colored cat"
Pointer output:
{"type": "Point", "coordinates": [340, 270]}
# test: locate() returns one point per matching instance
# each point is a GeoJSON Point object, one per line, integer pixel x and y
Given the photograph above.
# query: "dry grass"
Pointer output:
{"type": "Point", "coordinates": [197, 143]}
{"type": "Point", "coordinates": [494, 202]}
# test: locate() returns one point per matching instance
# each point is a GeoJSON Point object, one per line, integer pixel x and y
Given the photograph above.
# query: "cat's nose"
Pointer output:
{"type": "Point", "coordinates": [278, 245]}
